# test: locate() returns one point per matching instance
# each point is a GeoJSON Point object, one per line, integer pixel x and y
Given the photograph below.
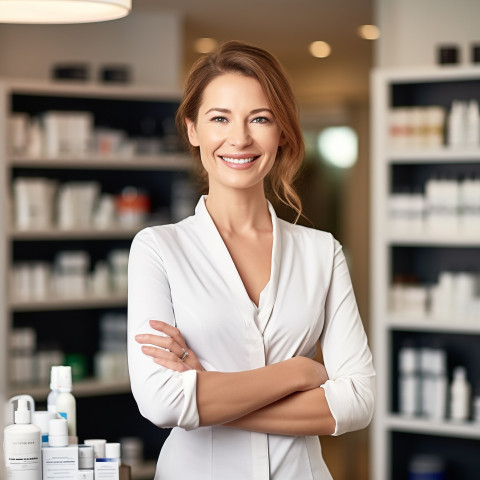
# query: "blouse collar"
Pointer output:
{"type": "Point", "coordinates": [219, 252]}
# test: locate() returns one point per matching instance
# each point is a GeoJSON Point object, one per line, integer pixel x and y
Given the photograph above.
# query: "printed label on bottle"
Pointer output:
{"type": "Point", "coordinates": [63, 415]}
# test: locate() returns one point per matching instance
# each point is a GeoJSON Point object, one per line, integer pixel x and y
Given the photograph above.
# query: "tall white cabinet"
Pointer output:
{"type": "Point", "coordinates": [417, 248]}
{"type": "Point", "coordinates": [153, 163]}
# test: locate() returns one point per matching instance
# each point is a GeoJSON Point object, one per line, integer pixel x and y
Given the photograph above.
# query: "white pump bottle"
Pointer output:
{"type": "Point", "coordinates": [22, 444]}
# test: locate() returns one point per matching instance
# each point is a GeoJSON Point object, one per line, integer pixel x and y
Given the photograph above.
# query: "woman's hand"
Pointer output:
{"type": "Point", "coordinates": [170, 349]}
{"type": "Point", "coordinates": [312, 373]}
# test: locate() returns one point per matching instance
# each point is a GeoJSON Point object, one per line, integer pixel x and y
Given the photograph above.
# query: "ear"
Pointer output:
{"type": "Point", "coordinates": [192, 133]}
{"type": "Point", "coordinates": [282, 140]}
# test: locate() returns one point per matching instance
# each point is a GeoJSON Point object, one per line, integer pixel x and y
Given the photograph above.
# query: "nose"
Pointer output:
{"type": "Point", "coordinates": [239, 135]}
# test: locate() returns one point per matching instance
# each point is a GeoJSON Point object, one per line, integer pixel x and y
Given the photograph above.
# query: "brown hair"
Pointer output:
{"type": "Point", "coordinates": [239, 57]}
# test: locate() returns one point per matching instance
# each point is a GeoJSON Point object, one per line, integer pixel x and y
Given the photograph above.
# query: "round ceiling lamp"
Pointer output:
{"type": "Point", "coordinates": [62, 11]}
{"type": "Point", "coordinates": [320, 49]}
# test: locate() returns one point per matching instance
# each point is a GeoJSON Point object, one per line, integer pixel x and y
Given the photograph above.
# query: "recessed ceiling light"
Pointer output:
{"type": "Point", "coordinates": [205, 45]}
{"type": "Point", "coordinates": [369, 32]}
{"type": "Point", "coordinates": [320, 49]}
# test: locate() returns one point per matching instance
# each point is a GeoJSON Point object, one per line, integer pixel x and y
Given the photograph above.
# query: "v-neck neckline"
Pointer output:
{"type": "Point", "coordinates": [225, 262]}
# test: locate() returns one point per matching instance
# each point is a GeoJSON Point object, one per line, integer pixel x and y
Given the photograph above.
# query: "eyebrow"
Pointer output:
{"type": "Point", "coordinates": [226, 110]}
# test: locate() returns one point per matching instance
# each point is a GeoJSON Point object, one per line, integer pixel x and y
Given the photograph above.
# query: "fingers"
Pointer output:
{"type": "Point", "coordinates": [169, 330]}
{"type": "Point", "coordinates": [165, 358]}
{"type": "Point", "coordinates": [168, 349]}
{"type": "Point", "coordinates": [167, 343]}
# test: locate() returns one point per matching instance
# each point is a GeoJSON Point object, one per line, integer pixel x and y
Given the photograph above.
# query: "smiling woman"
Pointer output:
{"type": "Point", "coordinates": [235, 132]}
{"type": "Point", "coordinates": [229, 303]}
{"type": "Point", "coordinates": [252, 63]}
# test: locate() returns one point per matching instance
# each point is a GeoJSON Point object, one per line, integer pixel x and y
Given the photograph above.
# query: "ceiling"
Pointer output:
{"type": "Point", "coordinates": [286, 28]}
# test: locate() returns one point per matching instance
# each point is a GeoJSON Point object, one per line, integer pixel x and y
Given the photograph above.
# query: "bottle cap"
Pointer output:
{"type": "Point", "coordinates": [22, 414]}
{"type": "Point", "coordinates": [85, 457]}
{"type": "Point", "coordinates": [64, 378]}
{"type": "Point", "coordinates": [57, 432]}
{"type": "Point", "coordinates": [41, 420]}
{"type": "Point", "coordinates": [112, 450]}
{"type": "Point", "coordinates": [54, 378]}
{"type": "Point", "coordinates": [98, 445]}
{"type": "Point", "coordinates": [408, 361]}
{"type": "Point", "coordinates": [460, 373]}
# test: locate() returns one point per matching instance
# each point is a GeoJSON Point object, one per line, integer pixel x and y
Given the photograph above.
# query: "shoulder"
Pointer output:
{"type": "Point", "coordinates": [310, 246]}
{"type": "Point", "coordinates": [308, 235]}
{"type": "Point", "coordinates": [161, 236]}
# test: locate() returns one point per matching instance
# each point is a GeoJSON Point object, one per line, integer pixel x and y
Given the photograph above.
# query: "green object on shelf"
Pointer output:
{"type": "Point", "coordinates": [78, 363]}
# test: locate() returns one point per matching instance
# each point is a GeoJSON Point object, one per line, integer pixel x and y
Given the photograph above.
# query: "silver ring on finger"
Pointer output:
{"type": "Point", "coordinates": [185, 353]}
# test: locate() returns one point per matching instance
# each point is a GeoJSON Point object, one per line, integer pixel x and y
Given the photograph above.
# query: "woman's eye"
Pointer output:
{"type": "Point", "coordinates": [219, 119]}
{"type": "Point", "coordinates": [261, 120]}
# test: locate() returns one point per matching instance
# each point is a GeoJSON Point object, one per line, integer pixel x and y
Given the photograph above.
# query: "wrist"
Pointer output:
{"type": "Point", "coordinates": [302, 373]}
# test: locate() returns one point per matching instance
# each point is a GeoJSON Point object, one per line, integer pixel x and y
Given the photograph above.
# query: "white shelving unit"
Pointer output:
{"type": "Point", "coordinates": [159, 104]}
{"type": "Point", "coordinates": [84, 388]}
{"type": "Point", "coordinates": [396, 438]}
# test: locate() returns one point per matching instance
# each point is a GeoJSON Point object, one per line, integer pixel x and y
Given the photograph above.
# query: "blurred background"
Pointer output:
{"type": "Point", "coordinates": [329, 50]}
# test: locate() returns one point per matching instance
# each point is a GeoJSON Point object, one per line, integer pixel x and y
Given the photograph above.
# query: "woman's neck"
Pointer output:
{"type": "Point", "coordinates": [239, 211]}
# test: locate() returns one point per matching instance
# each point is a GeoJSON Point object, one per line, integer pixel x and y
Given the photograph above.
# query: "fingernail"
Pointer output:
{"type": "Point", "coordinates": [138, 338]}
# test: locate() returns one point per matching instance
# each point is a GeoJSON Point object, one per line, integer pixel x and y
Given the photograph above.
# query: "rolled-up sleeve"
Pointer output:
{"type": "Point", "coordinates": [165, 397]}
{"type": "Point", "coordinates": [350, 390]}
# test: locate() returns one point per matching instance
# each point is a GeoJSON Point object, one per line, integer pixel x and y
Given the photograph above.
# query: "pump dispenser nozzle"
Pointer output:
{"type": "Point", "coordinates": [22, 401]}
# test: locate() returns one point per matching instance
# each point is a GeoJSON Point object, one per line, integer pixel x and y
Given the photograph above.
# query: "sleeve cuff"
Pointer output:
{"type": "Point", "coordinates": [337, 395]}
{"type": "Point", "coordinates": [189, 419]}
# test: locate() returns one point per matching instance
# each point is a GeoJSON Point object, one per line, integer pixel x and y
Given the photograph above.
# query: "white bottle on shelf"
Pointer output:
{"type": "Point", "coordinates": [22, 445]}
{"type": "Point", "coordinates": [52, 396]}
{"type": "Point", "coordinates": [460, 392]}
{"type": "Point", "coordinates": [427, 381]}
{"type": "Point", "coordinates": [456, 124]}
{"type": "Point", "coordinates": [470, 205]}
{"type": "Point", "coordinates": [439, 384]}
{"type": "Point", "coordinates": [472, 130]}
{"type": "Point", "coordinates": [66, 405]}
{"type": "Point", "coordinates": [409, 383]}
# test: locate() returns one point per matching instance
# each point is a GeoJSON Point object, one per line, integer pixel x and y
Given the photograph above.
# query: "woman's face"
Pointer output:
{"type": "Point", "coordinates": [236, 132]}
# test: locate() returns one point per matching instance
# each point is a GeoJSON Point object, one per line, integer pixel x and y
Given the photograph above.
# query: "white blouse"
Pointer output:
{"type": "Point", "coordinates": [183, 274]}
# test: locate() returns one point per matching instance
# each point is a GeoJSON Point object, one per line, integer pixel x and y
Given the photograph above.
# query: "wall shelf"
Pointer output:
{"type": "Point", "coordinates": [77, 234]}
{"type": "Point", "coordinates": [429, 324]}
{"type": "Point", "coordinates": [87, 303]}
{"type": "Point", "coordinates": [431, 427]}
{"type": "Point", "coordinates": [173, 161]}
{"type": "Point", "coordinates": [145, 116]}
{"type": "Point", "coordinates": [440, 239]}
{"type": "Point", "coordinates": [444, 155]}
{"type": "Point", "coordinates": [411, 253]}
{"type": "Point", "coordinates": [83, 388]}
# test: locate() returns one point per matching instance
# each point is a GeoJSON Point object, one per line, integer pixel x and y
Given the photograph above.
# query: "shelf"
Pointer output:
{"type": "Point", "coordinates": [164, 162]}
{"type": "Point", "coordinates": [113, 301]}
{"type": "Point", "coordinates": [429, 324]}
{"type": "Point", "coordinates": [428, 251]}
{"type": "Point", "coordinates": [77, 234]}
{"type": "Point", "coordinates": [431, 427]}
{"type": "Point", "coordinates": [89, 89]}
{"type": "Point", "coordinates": [83, 388]}
{"type": "Point", "coordinates": [440, 155]}
{"type": "Point", "coordinates": [444, 239]}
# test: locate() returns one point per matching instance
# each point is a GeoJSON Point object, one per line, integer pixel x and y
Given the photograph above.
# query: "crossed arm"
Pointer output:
{"type": "Point", "coordinates": [283, 398]}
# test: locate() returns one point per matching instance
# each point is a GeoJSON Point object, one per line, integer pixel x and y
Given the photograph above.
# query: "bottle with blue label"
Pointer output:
{"type": "Point", "coordinates": [66, 404]}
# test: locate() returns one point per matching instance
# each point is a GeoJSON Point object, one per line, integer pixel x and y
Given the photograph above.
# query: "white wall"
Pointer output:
{"type": "Point", "coordinates": [412, 29]}
{"type": "Point", "coordinates": [150, 42]}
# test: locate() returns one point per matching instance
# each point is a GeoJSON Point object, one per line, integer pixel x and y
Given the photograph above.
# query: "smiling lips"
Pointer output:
{"type": "Point", "coordinates": [239, 161]}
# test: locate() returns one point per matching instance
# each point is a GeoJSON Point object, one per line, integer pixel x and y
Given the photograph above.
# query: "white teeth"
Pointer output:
{"type": "Point", "coordinates": [239, 160]}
